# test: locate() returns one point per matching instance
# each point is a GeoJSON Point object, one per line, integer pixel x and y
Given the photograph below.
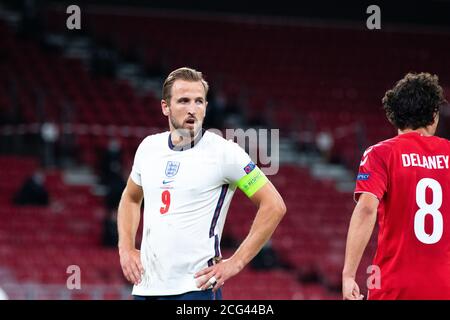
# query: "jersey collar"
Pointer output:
{"type": "Point", "coordinates": [186, 146]}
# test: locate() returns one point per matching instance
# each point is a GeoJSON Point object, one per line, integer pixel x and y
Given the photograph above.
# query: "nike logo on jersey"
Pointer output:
{"type": "Point", "coordinates": [167, 181]}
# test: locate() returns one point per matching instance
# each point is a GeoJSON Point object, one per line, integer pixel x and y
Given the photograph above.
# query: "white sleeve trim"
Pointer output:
{"type": "Point", "coordinates": [136, 178]}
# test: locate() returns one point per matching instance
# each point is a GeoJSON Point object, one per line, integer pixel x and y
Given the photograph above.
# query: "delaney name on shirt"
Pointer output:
{"type": "Point", "coordinates": [428, 162]}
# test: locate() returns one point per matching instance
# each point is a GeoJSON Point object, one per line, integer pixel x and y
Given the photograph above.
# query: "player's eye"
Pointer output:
{"type": "Point", "coordinates": [199, 101]}
{"type": "Point", "coordinates": [183, 100]}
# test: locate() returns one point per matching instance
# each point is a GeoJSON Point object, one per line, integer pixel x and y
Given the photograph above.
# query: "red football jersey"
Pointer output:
{"type": "Point", "coordinates": [410, 176]}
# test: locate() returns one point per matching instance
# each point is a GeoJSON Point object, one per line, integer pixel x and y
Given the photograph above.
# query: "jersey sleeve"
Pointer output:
{"type": "Point", "coordinates": [241, 171]}
{"type": "Point", "coordinates": [372, 174]}
{"type": "Point", "coordinates": [135, 174]}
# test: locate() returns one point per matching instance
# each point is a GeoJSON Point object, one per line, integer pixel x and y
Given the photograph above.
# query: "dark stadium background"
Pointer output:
{"type": "Point", "coordinates": [74, 105]}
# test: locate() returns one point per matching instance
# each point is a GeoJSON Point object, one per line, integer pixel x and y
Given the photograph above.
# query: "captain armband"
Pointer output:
{"type": "Point", "coordinates": [252, 182]}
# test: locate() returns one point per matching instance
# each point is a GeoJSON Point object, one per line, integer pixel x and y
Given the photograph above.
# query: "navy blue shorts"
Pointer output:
{"type": "Point", "coordinates": [192, 295]}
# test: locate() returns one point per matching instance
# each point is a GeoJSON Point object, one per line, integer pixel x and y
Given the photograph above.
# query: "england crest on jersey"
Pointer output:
{"type": "Point", "coordinates": [172, 168]}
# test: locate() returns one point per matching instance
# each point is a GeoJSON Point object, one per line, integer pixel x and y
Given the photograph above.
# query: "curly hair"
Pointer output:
{"type": "Point", "coordinates": [414, 101]}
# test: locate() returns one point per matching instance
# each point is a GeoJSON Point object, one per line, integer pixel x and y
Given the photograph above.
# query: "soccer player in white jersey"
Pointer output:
{"type": "Point", "coordinates": [187, 177]}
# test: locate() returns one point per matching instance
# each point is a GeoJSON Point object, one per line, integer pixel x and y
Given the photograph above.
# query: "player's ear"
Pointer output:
{"type": "Point", "coordinates": [436, 117]}
{"type": "Point", "coordinates": [165, 107]}
{"type": "Point", "coordinates": [435, 122]}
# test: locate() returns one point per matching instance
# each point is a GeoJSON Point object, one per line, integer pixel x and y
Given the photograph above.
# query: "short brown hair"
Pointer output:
{"type": "Point", "coordinates": [187, 74]}
{"type": "Point", "coordinates": [414, 101]}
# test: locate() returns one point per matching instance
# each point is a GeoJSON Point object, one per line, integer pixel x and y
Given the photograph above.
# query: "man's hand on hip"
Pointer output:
{"type": "Point", "coordinates": [217, 274]}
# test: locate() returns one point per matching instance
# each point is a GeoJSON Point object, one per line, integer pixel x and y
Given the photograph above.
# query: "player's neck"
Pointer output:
{"type": "Point", "coordinates": [183, 140]}
{"type": "Point", "coordinates": [178, 139]}
{"type": "Point", "coordinates": [427, 131]}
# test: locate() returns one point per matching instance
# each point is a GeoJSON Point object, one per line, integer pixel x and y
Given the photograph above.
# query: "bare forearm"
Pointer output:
{"type": "Point", "coordinates": [128, 218]}
{"type": "Point", "coordinates": [262, 229]}
{"type": "Point", "coordinates": [359, 233]}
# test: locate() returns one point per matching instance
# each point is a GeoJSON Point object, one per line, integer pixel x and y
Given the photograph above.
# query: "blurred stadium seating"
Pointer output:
{"type": "Point", "coordinates": [40, 243]}
{"type": "Point", "coordinates": [333, 77]}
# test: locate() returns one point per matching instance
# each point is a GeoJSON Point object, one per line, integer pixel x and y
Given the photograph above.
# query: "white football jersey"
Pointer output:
{"type": "Point", "coordinates": [186, 198]}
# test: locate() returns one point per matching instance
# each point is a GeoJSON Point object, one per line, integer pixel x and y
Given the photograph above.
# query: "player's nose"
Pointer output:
{"type": "Point", "coordinates": [191, 107]}
{"type": "Point", "coordinates": [191, 112]}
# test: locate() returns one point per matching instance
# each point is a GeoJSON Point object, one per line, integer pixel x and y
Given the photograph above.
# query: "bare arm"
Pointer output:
{"type": "Point", "coordinates": [128, 218]}
{"type": "Point", "coordinates": [360, 230]}
{"type": "Point", "coordinates": [271, 209]}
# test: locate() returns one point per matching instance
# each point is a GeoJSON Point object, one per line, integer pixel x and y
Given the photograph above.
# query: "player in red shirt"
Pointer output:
{"type": "Point", "coordinates": [405, 183]}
